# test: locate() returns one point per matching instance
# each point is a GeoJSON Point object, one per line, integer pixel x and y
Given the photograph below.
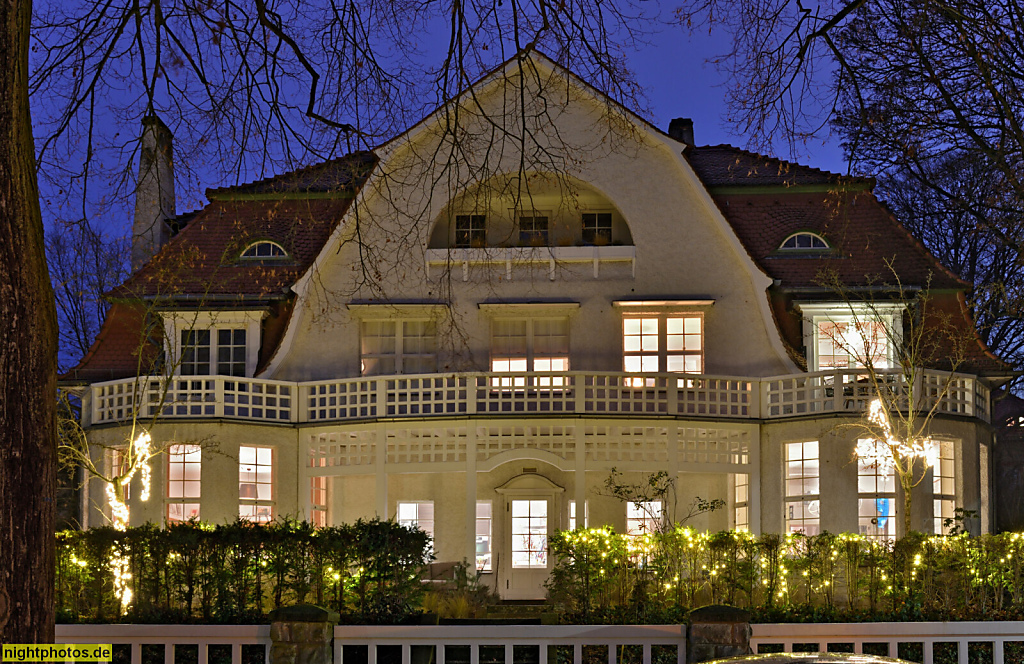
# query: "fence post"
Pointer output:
{"type": "Point", "coordinates": [302, 634]}
{"type": "Point", "coordinates": [715, 632]}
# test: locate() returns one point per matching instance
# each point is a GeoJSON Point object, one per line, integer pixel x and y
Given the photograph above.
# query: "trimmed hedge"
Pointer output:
{"type": "Point", "coordinates": [238, 573]}
{"type": "Point", "coordinates": [604, 577]}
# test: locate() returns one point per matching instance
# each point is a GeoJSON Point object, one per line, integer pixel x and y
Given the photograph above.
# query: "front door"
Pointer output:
{"type": "Point", "coordinates": [530, 519]}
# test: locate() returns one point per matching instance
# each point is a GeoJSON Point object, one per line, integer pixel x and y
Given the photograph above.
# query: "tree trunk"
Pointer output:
{"type": "Point", "coordinates": [28, 359]}
{"type": "Point", "coordinates": [907, 499]}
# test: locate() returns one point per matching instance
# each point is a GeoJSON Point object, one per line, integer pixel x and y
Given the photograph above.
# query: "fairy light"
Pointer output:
{"type": "Point", "coordinates": [880, 452]}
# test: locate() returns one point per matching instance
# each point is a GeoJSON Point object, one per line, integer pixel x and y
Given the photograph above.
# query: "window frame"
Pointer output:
{"type": "Point", "coordinates": [572, 514]}
{"type": "Point", "coordinates": [262, 243]}
{"type": "Point", "coordinates": [597, 228]}
{"type": "Point", "coordinates": [739, 492]}
{"type": "Point", "coordinates": [875, 483]}
{"type": "Point", "coordinates": [400, 356]}
{"type": "Point", "coordinates": [890, 315]}
{"type": "Point", "coordinates": [485, 560]}
{"type": "Point", "coordinates": [534, 237]}
{"type": "Point", "coordinates": [476, 235]}
{"type": "Point", "coordinates": [178, 322]}
{"type": "Point", "coordinates": [537, 556]}
{"type": "Point", "coordinates": [942, 498]}
{"type": "Point", "coordinates": [185, 502]}
{"type": "Point", "coordinates": [419, 520]}
{"type": "Point", "coordinates": [641, 515]}
{"type": "Point", "coordinates": [811, 249]}
{"type": "Point", "coordinates": [808, 501]}
{"type": "Point", "coordinates": [662, 335]}
{"type": "Point", "coordinates": [258, 515]}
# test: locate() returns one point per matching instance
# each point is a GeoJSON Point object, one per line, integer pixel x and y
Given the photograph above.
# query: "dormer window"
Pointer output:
{"type": "Point", "coordinates": [264, 249]}
{"type": "Point", "coordinates": [804, 241]}
{"type": "Point", "coordinates": [533, 228]}
{"type": "Point", "coordinates": [597, 228]}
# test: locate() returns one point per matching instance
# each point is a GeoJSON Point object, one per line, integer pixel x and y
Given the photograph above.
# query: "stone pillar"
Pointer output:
{"type": "Point", "coordinates": [302, 634]}
{"type": "Point", "coordinates": [715, 632]}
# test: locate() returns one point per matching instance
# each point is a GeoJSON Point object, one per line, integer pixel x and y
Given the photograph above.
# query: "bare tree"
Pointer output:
{"type": "Point", "coordinates": [248, 90]}
{"type": "Point", "coordinates": [907, 351]}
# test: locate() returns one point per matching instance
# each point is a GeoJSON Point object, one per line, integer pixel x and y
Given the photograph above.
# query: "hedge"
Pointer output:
{"type": "Point", "coordinates": [238, 573]}
{"type": "Point", "coordinates": [604, 577]}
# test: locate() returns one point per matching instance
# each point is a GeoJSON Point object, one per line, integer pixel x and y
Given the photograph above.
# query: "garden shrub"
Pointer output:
{"type": "Point", "coordinates": [604, 577]}
{"type": "Point", "coordinates": [239, 572]}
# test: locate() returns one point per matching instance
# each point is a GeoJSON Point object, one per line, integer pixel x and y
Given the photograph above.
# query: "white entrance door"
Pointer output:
{"type": "Point", "coordinates": [527, 550]}
{"type": "Point", "coordinates": [527, 521]}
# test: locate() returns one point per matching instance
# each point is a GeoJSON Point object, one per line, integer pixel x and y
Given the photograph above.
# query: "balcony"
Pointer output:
{"type": "Point", "coordinates": [507, 257]}
{"type": "Point", "coordinates": [539, 394]}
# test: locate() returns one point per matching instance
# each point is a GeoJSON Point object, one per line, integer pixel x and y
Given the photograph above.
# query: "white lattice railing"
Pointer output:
{"type": "Point", "coordinates": [169, 637]}
{"type": "Point", "coordinates": [516, 643]}
{"type": "Point", "coordinates": [988, 638]}
{"type": "Point", "coordinates": [514, 394]}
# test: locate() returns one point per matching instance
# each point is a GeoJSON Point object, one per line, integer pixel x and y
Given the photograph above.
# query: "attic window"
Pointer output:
{"type": "Point", "coordinates": [264, 249]}
{"type": "Point", "coordinates": [804, 241]}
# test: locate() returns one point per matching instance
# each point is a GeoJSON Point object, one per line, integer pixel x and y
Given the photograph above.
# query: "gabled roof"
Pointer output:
{"type": "Point", "coordinates": [203, 259]}
{"type": "Point", "coordinates": [727, 166]}
{"type": "Point", "coordinates": [861, 232]}
{"type": "Point", "coordinates": [120, 350]}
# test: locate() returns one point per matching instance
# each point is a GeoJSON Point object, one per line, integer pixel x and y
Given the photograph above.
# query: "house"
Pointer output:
{"type": "Point", "coordinates": [471, 326]}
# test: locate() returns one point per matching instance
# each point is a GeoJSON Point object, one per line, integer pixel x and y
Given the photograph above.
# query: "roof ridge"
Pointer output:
{"type": "Point", "coordinates": [780, 160]}
{"type": "Point", "coordinates": [293, 172]}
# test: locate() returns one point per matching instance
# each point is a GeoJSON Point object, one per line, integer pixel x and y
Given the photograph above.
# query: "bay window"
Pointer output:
{"type": "Point", "coordinates": [841, 336]}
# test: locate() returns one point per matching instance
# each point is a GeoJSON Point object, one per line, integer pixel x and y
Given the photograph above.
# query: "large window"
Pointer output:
{"type": "Point", "coordinates": [876, 500]}
{"type": "Point", "coordinates": [470, 230]}
{"type": "Point", "coordinates": [256, 483]}
{"type": "Point", "coordinates": [398, 347]}
{"type": "Point", "coordinates": [529, 534]}
{"type": "Point", "coordinates": [741, 501]}
{"type": "Point", "coordinates": [673, 343]}
{"type": "Point", "coordinates": [530, 344]}
{"type": "Point", "coordinates": [803, 488]}
{"type": "Point", "coordinates": [848, 344]}
{"type": "Point", "coordinates": [200, 347]}
{"type": "Point", "coordinates": [944, 486]}
{"type": "Point", "coordinates": [418, 515]}
{"type": "Point", "coordinates": [184, 472]}
{"type": "Point", "coordinates": [644, 517]}
{"type": "Point", "coordinates": [318, 499]}
{"type": "Point", "coordinates": [483, 535]}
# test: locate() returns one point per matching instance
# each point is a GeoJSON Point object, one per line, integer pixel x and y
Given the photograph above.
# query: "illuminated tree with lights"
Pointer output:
{"type": "Point", "coordinates": [898, 355]}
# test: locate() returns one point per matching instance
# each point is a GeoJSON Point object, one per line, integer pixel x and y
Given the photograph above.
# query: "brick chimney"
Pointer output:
{"type": "Point", "coordinates": [154, 193]}
{"type": "Point", "coordinates": [681, 129]}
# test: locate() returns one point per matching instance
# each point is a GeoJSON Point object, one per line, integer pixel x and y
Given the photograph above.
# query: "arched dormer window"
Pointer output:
{"type": "Point", "coordinates": [264, 249]}
{"type": "Point", "coordinates": [804, 240]}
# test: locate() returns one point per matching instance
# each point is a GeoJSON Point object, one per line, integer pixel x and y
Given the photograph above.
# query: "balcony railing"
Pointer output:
{"type": "Point", "coordinates": [549, 394]}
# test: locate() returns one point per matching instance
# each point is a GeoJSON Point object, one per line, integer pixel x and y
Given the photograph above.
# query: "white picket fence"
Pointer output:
{"type": "Point", "coordinates": [368, 641]}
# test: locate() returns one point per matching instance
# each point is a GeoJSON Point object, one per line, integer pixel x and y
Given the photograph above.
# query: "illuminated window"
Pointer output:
{"type": "Point", "coordinates": [643, 517]}
{"type": "Point", "coordinates": [848, 344]}
{"type": "Point", "coordinates": [318, 499]}
{"type": "Point", "coordinates": [483, 535]}
{"type": "Point", "coordinates": [944, 487]}
{"type": "Point", "coordinates": [184, 470]}
{"type": "Point", "coordinates": [529, 344]}
{"type": "Point", "coordinates": [741, 501]}
{"type": "Point", "coordinates": [199, 347]}
{"type": "Point", "coordinates": [804, 241]}
{"type": "Point", "coordinates": [803, 509]}
{"type": "Point", "coordinates": [418, 515]}
{"type": "Point", "coordinates": [652, 344]}
{"type": "Point", "coordinates": [876, 502]}
{"type": "Point", "coordinates": [572, 514]}
{"type": "Point", "coordinates": [391, 347]}
{"type": "Point", "coordinates": [597, 228]}
{"type": "Point", "coordinates": [118, 460]}
{"type": "Point", "coordinates": [529, 534]}
{"type": "Point", "coordinates": [470, 230]}
{"type": "Point", "coordinates": [256, 483]}
{"type": "Point", "coordinates": [264, 249]}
